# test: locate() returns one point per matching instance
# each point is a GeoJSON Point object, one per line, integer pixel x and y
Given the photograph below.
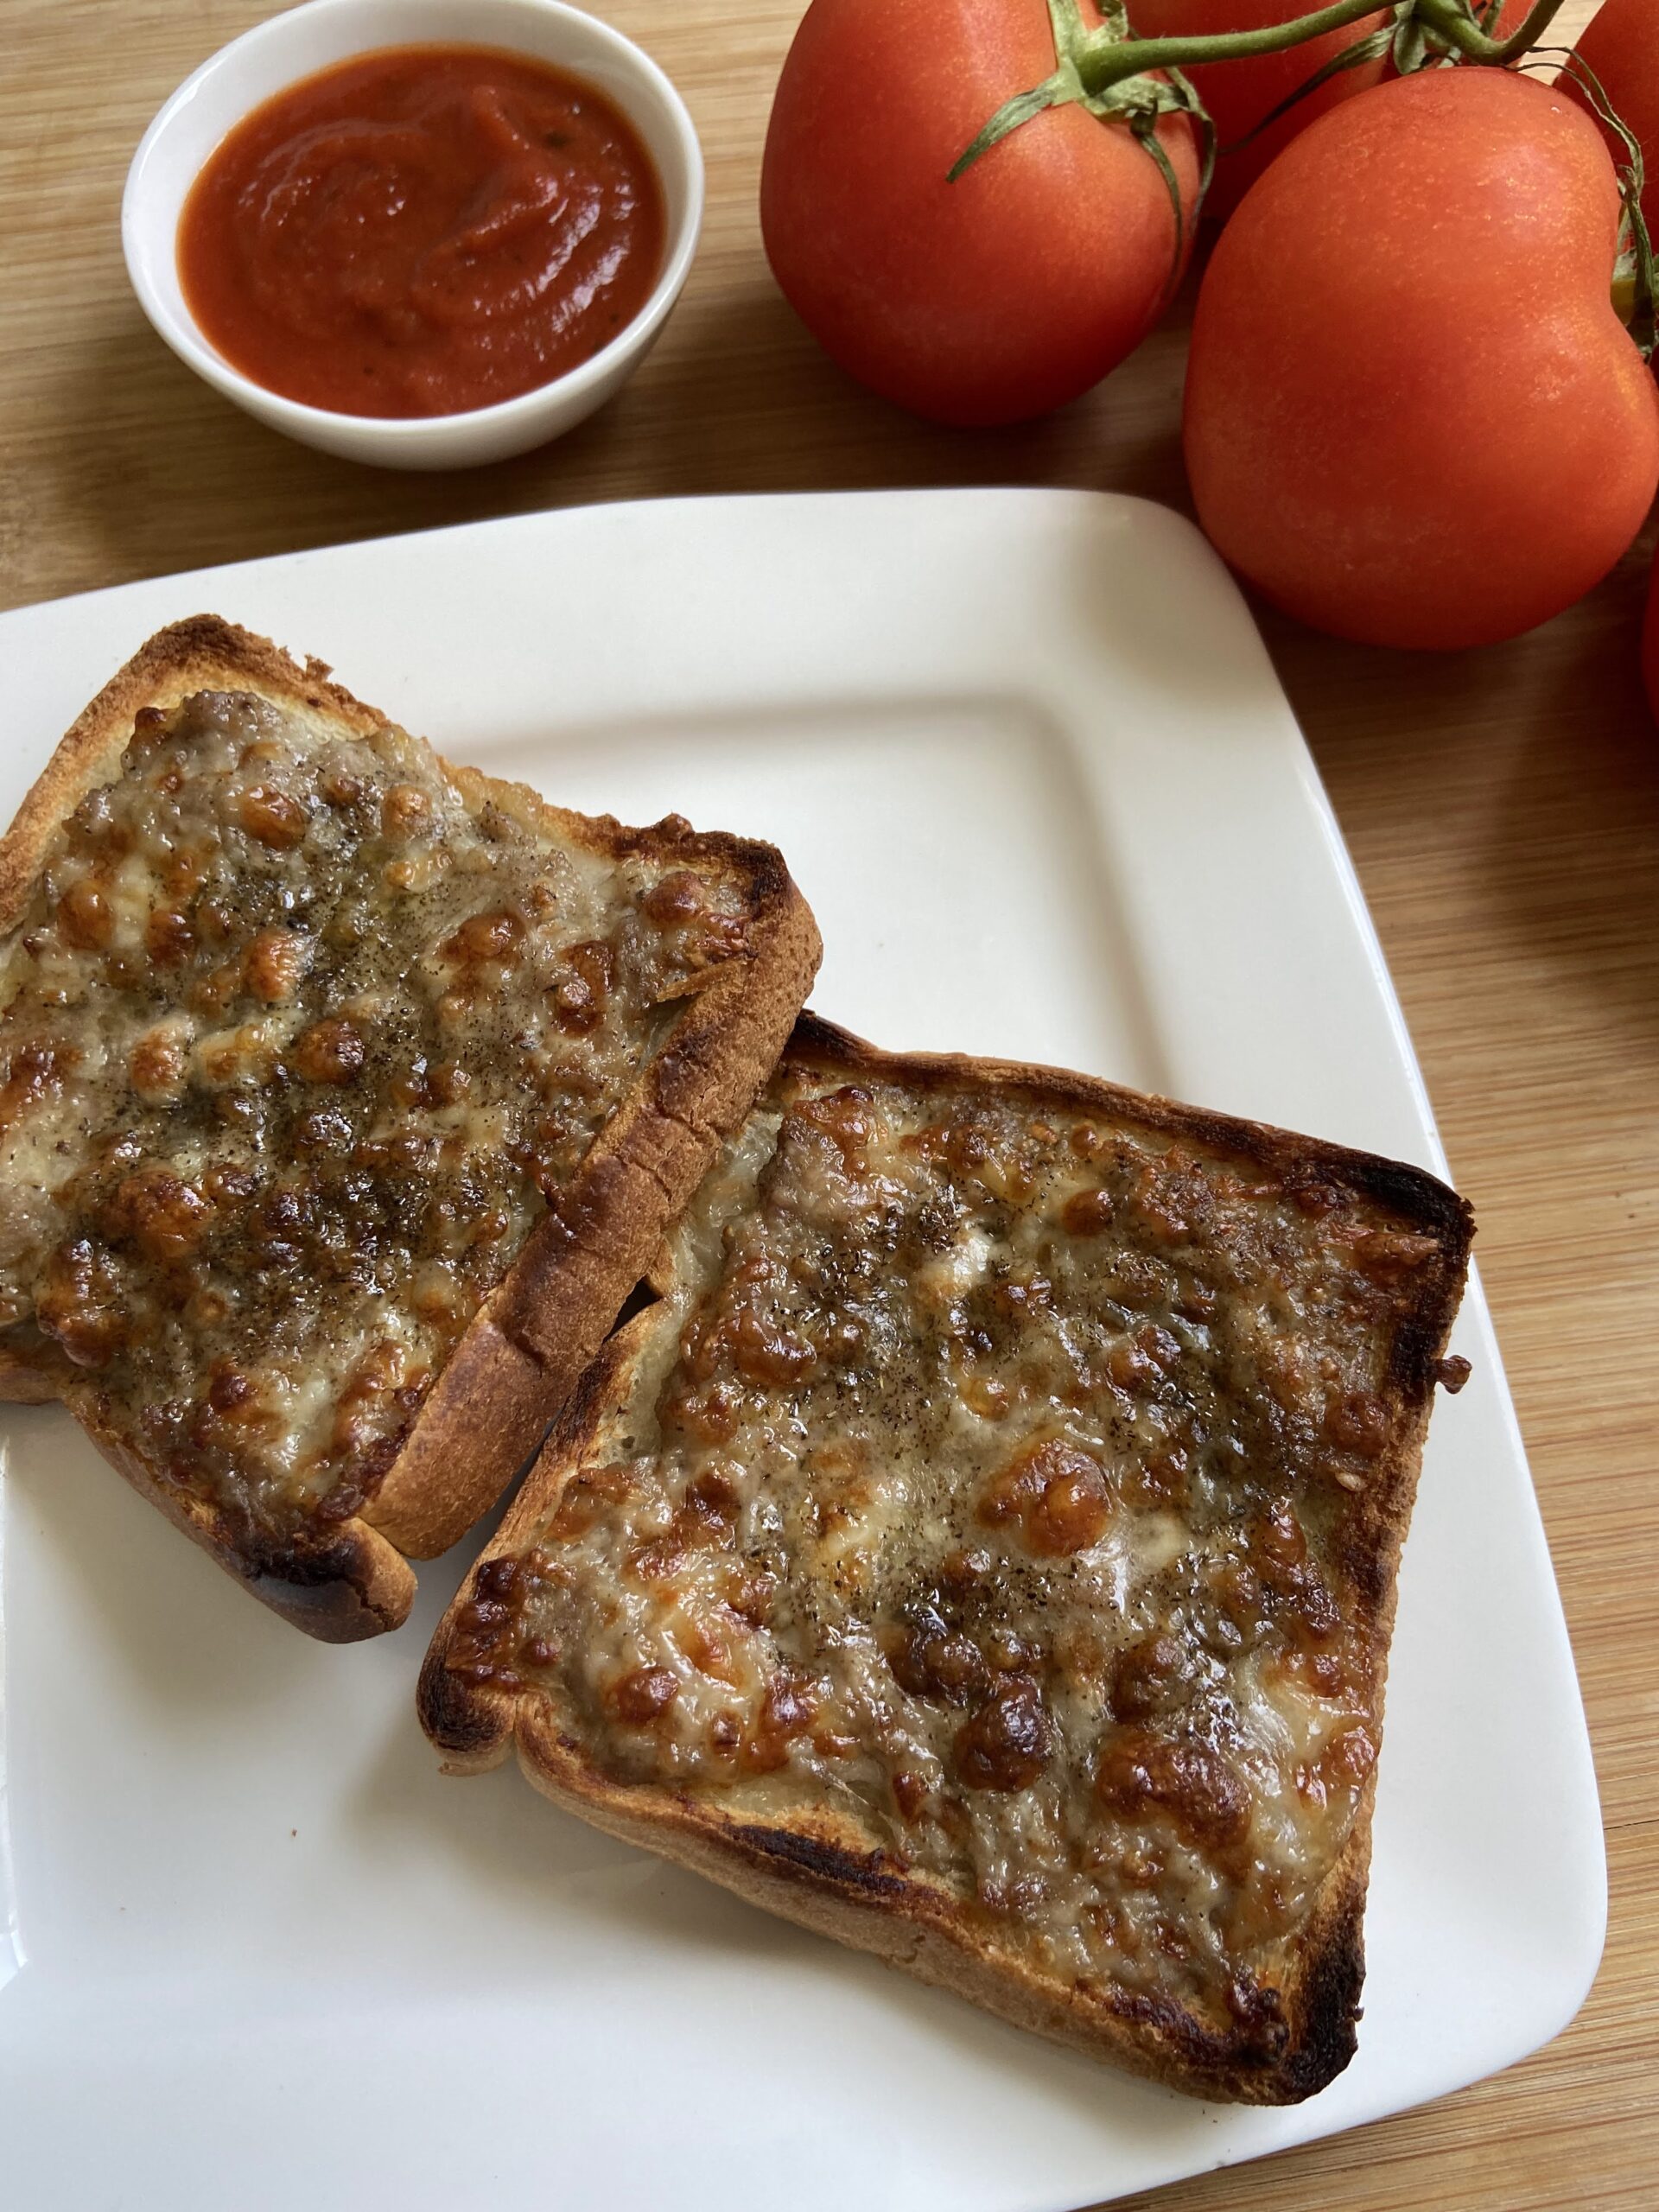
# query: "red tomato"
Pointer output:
{"type": "Point", "coordinates": [1412, 415]}
{"type": "Point", "coordinates": [985, 301]}
{"type": "Point", "coordinates": [1622, 47]}
{"type": "Point", "coordinates": [1239, 94]}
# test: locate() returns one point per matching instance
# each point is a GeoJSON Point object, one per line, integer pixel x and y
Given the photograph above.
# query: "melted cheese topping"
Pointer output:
{"type": "Point", "coordinates": [296, 1038]}
{"type": "Point", "coordinates": [994, 1485]}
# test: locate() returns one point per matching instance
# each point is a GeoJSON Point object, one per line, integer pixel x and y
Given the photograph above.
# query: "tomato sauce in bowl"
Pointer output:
{"type": "Point", "coordinates": [421, 231]}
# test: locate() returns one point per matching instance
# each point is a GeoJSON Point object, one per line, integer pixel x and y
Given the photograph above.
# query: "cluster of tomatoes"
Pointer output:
{"type": "Point", "coordinates": [1414, 416]}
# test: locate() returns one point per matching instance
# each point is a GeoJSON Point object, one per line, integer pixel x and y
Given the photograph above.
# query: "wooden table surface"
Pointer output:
{"type": "Point", "coordinates": [1502, 807]}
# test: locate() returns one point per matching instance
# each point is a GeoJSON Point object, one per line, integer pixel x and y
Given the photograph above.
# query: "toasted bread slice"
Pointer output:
{"type": "Point", "coordinates": [344, 1096]}
{"type": "Point", "coordinates": [984, 1551]}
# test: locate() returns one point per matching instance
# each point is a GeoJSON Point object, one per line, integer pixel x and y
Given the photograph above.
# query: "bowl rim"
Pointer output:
{"type": "Point", "coordinates": [180, 331]}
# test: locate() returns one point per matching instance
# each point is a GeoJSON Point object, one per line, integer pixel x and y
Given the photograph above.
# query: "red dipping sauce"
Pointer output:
{"type": "Point", "coordinates": [421, 231]}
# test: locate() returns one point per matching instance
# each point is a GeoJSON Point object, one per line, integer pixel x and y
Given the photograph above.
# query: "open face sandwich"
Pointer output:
{"type": "Point", "coordinates": [984, 1551]}
{"type": "Point", "coordinates": [344, 1097]}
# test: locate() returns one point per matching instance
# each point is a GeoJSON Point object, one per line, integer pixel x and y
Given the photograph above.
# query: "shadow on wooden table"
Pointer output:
{"type": "Point", "coordinates": [1573, 851]}
{"type": "Point", "coordinates": [753, 405]}
{"type": "Point", "coordinates": [160, 472]}
{"type": "Point", "coordinates": [1517, 784]}
{"type": "Point", "coordinates": [166, 473]}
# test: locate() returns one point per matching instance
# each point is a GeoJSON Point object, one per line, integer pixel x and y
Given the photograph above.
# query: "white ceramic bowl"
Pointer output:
{"type": "Point", "coordinates": [295, 45]}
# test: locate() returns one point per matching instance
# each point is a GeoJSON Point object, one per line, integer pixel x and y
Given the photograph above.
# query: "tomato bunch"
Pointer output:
{"type": "Point", "coordinates": [1413, 415]}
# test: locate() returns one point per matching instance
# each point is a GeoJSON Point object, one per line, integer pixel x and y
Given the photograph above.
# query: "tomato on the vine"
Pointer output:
{"type": "Point", "coordinates": [1413, 417]}
{"type": "Point", "coordinates": [1241, 95]}
{"type": "Point", "coordinates": [995, 298]}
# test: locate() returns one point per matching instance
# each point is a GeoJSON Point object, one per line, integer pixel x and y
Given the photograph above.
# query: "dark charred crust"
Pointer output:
{"type": "Point", "coordinates": [333, 1612]}
{"type": "Point", "coordinates": [1331, 2010]}
{"type": "Point", "coordinates": [466, 1722]}
{"type": "Point", "coordinates": [820, 1862]}
{"type": "Point", "coordinates": [1421, 1198]}
{"type": "Point", "coordinates": [1215, 2055]}
{"type": "Point", "coordinates": [1415, 1354]}
{"type": "Point", "coordinates": [814, 1038]}
{"type": "Point", "coordinates": [1368, 1560]}
{"type": "Point", "coordinates": [296, 1560]}
{"type": "Point", "coordinates": [327, 1589]}
{"type": "Point", "coordinates": [769, 879]}
{"type": "Point", "coordinates": [1262, 2061]}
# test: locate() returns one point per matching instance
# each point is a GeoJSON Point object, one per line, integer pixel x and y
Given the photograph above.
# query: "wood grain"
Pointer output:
{"type": "Point", "coordinates": [1503, 807]}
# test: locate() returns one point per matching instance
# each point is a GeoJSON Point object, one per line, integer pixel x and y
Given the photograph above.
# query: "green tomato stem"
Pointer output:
{"type": "Point", "coordinates": [1102, 59]}
{"type": "Point", "coordinates": [1447, 21]}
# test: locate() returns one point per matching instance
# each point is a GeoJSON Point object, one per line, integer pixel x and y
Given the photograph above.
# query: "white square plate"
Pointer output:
{"type": "Point", "coordinates": [1032, 766]}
